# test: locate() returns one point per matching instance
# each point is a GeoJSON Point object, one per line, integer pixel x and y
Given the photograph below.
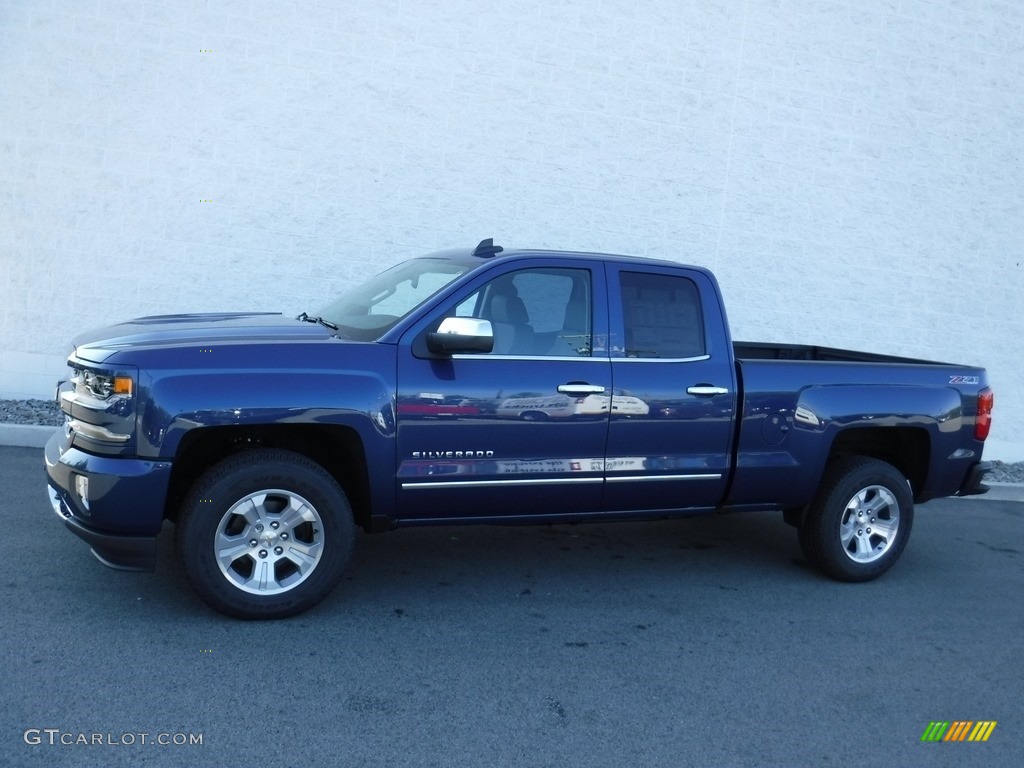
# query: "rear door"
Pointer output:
{"type": "Point", "coordinates": [510, 433]}
{"type": "Point", "coordinates": [674, 397]}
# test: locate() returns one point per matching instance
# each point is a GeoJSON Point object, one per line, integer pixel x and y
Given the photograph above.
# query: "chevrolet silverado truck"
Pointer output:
{"type": "Point", "coordinates": [269, 439]}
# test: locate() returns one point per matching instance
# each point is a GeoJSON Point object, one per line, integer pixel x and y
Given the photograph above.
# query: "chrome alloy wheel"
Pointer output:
{"type": "Point", "coordinates": [869, 524]}
{"type": "Point", "coordinates": [269, 542]}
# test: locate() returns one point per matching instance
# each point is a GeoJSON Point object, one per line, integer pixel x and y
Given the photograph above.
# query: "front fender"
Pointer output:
{"type": "Point", "coordinates": [177, 403]}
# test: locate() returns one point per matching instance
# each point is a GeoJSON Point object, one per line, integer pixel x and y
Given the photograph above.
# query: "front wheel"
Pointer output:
{"type": "Point", "coordinates": [265, 534]}
{"type": "Point", "coordinates": [860, 521]}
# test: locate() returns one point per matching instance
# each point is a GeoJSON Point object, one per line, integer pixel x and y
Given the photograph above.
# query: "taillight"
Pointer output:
{"type": "Point", "coordinates": [982, 424]}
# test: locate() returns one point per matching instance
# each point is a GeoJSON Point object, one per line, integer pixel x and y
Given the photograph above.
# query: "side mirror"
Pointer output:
{"type": "Point", "coordinates": [461, 334]}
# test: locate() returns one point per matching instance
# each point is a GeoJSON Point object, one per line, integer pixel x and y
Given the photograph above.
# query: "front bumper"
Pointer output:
{"type": "Point", "coordinates": [973, 485]}
{"type": "Point", "coordinates": [125, 553]}
{"type": "Point", "coordinates": [124, 511]}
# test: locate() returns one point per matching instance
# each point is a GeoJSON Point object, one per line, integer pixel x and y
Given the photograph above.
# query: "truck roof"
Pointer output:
{"type": "Point", "coordinates": [487, 252]}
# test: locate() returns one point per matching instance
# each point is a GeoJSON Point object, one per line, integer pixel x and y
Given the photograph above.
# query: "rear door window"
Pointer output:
{"type": "Point", "coordinates": [662, 316]}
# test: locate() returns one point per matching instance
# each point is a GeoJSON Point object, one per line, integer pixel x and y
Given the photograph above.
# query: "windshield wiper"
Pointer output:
{"type": "Point", "coordinates": [326, 323]}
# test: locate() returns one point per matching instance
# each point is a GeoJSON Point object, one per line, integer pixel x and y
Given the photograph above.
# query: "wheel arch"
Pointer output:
{"type": "Point", "coordinates": [338, 449]}
{"type": "Point", "coordinates": [906, 448]}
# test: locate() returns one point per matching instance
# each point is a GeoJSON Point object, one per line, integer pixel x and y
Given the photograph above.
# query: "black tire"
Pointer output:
{"type": "Point", "coordinates": [296, 513]}
{"type": "Point", "coordinates": [860, 521]}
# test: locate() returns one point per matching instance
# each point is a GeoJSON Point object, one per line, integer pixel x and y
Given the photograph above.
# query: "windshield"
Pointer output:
{"type": "Point", "coordinates": [369, 310]}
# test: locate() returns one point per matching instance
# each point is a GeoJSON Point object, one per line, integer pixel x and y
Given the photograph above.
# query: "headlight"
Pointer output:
{"type": "Point", "coordinates": [102, 386]}
{"type": "Point", "coordinates": [100, 404]}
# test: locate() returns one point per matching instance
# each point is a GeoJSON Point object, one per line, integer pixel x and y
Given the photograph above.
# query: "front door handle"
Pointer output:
{"type": "Point", "coordinates": [580, 388]}
{"type": "Point", "coordinates": [706, 390]}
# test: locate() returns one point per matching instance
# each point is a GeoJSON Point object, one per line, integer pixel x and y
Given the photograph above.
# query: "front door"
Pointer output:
{"type": "Point", "coordinates": [518, 431]}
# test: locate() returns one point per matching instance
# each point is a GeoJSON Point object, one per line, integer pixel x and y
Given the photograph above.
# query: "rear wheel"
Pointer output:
{"type": "Point", "coordinates": [860, 521]}
{"type": "Point", "coordinates": [265, 534]}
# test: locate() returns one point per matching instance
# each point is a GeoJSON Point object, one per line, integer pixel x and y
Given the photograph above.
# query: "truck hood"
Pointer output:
{"type": "Point", "coordinates": [183, 330]}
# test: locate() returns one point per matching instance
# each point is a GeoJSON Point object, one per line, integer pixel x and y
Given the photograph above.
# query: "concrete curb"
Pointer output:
{"type": "Point", "coordinates": [25, 435]}
{"type": "Point", "coordinates": [1002, 492]}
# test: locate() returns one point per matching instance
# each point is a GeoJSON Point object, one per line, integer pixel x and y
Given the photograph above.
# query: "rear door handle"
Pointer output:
{"type": "Point", "coordinates": [580, 388]}
{"type": "Point", "coordinates": [706, 390]}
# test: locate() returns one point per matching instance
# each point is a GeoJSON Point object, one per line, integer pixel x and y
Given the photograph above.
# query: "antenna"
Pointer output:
{"type": "Point", "coordinates": [487, 248]}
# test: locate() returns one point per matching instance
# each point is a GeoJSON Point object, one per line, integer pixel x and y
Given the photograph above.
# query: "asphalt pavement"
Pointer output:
{"type": "Point", "coordinates": [700, 642]}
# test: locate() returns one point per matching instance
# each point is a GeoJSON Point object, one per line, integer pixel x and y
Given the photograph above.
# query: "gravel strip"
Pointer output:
{"type": "Point", "coordinates": [1006, 473]}
{"type": "Point", "coordinates": [46, 413]}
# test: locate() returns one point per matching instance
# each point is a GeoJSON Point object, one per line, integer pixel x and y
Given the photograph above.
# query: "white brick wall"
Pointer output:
{"type": "Point", "coordinates": [851, 170]}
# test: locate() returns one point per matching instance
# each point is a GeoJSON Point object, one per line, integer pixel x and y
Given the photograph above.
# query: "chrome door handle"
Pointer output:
{"type": "Point", "coordinates": [580, 389]}
{"type": "Point", "coordinates": [706, 390]}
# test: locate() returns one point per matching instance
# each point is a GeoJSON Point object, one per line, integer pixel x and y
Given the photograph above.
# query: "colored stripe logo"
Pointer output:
{"type": "Point", "coordinates": [958, 730]}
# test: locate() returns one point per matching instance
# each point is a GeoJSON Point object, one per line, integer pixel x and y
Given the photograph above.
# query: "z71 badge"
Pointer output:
{"type": "Point", "coordinates": [964, 380]}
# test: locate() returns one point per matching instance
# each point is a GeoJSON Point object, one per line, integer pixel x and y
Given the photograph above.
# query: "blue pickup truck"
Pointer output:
{"type": "Point", "coordinates": [485, 386]}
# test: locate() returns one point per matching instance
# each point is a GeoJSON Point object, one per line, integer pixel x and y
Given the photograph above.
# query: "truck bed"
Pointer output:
{"type": "Point", "coordinates": [755, 350]}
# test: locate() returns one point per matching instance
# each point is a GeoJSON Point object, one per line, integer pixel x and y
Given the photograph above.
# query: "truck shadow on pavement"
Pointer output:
{"type": "Point", "coordinates": [416, 566]}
